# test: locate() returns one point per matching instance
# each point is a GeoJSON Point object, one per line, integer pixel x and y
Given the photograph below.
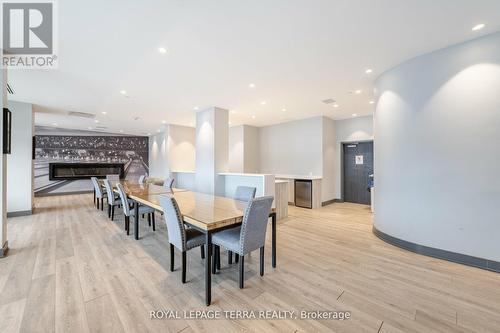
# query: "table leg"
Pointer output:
{"type": "Point", "coordinates": [273, 219]}
{"type": "Point", "coordinates": [136, 220]}
{"type": "Point", "coordinates": [208, 268]}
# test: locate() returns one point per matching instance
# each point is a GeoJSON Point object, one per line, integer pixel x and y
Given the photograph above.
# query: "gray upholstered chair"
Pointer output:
{"type": "Point", "coordinates": [169, 183]}
{"type": "Point", "coordinates": [178, 236]}
{"type": "Point", "coordinates": [245, 193]}
{"type": "Point", "coordinates": [113, 199]}
{"type": "Point", "coordinates": [251, 235]}
{"type": "Point", "coordinates": [142, 179]}
{"type": "Point", "coordinates": [128, 211]}
{"type": "Point", "coordinates": [98, 192]}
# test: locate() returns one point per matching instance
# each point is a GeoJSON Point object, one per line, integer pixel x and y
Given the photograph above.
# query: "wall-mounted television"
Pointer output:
{"type": "Point", "coordinates": [7, 124]}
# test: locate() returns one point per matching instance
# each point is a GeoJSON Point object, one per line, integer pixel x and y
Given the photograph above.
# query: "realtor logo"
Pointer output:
{"type": "Point", "coordinates": [28, 32]}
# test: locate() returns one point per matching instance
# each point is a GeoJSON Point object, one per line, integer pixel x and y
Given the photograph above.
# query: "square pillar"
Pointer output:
{"type": "Point", "coordinates": [212, 149]}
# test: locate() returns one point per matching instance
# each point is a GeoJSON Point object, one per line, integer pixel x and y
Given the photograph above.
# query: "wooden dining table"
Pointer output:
{"type": "Point", "coordinates": [205, 212]}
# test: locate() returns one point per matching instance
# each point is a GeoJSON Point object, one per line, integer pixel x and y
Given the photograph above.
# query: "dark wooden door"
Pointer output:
{"type": "Point", "coordinates": [358, 166]}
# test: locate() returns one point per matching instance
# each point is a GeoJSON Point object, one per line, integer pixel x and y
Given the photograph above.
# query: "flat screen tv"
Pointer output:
{"type": "Point", "coordinates": [7, 124]}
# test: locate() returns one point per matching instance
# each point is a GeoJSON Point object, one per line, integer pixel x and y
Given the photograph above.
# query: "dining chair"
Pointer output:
{"type": "Point", "coordinates": [99, 193]}
{"type": "Point", "coordinates": [251, 235]}
{"type": "Point", "coordinates": [178, 236]}
{"type": "Point", "coordinates": [128, 211]}
{"type": "Point", "coordinates": [113, 199]}
{"type": "Point", "coordinates": [169, 183]}
{"type": "Point", "coordinates": [245, 193]}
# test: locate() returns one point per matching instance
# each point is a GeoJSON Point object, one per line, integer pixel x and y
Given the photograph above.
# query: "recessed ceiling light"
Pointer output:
{"type": "Point", "coordinates": [96, 121]}
{"type": "Point", "coordinates": [149, 133]}
{"type": "Point", "coordinates": [284, 110]}
{"type": "Point", "coordinates": [103, 112]}
{"type": "Point", "coordinates": [368, 71]}
{"type": "Point", "coordinates": [358, 91]}
{"type": "Point", "coordinates": [253, 116]}
{"type": "Point", "coordinates": [229, 123]}
{"type": "Point", "coordinates": [89, 127]}
{"type": "Point", "coordinates": [121, 131]}
{"type": "Point", "coordinates": [251, 85]}
{"type": "Point", "coordinates": [123, 92]}
{"type": "Point", "coordinates": [54, 124]}
{"type": "Point", "coordinates": [163, 121]}
{"type": "Point", "coordinates": [354, 114]}
{"type": "Point", "coordinates": [162, 50]}
{"type": "Point", "coordinates": [371, 102]}
{"type": "Point", "coordinates": [196, 108]}
{"type": "Point", "coordinates": [158, 131]}
{"type": "Point", "coordinates": [233, 111]}
{"type": "Point", "coordinates": [478, 27]}
{"type": "Point", "coordinates": [335, 105]}
{"type": "Point", "coordinates": [263, 103]}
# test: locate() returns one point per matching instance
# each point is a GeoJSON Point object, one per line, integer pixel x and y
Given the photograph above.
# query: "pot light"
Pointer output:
{"type": "Point", "coordinates": [335, 105]}
{"type": "Point", "coordinates": [284, 110]}
{"type": "Point", "coordinates": [251, 85]}
{"type": "Point", "coordinates": [478, 27]}
{"type": "Point", "coordinates": [354, 114]}
{"type": "Point", "coordinates": [123, 92]}
{"type": "Point", "coordinates": [229, 123]}
{"type": "Point", "coordinates": [196, 108]}
{"type": "Point", "coordinates": [233, 111]}
{"type": "Point", "coordinates": [368, 71]}
{"type": "Point", "coordinates": [89, 127]}
{"type": "Point", "coordinates": [103, 112]}
{"type": "Point", "coordinates": [163, 121]}
{"type": "Point", "coordinates": [357, 92]}
{"type": "Point", "coordinates": [121, 131]}
{"type": "Point", "coordinates": [158, 131]}
{"type": "Point", "coordinates": [149, 133]}
{"type": "Point", "coordinates": [96, 121]}
{"type": "Point", "coordinates": [263, 103]}
{"type": "Point", "coordinates": [162, 50]}
{"type": "Point", "coordinates": [253, 116]}
{"type": "Point", "coordinates": [371, 102]}
{"type": "Point", "coordinates": [54, 124]}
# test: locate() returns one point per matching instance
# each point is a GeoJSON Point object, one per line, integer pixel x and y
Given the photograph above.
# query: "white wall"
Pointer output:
{"type": "Point", "coordinates": [437, 131]}
{"type": "Point", "coordinates": [159, 165]}
{"type": "Point", "coordinates": [236, 149]}
{"type": "Point", "coordinates": [293, 148]}
{"type": "Point", "coordinates": [19, 162]}
{"type": "Point", "coordinates": [244, 146]}
{"type": "Point", "coordinates": [348, 130]}
{"type": "Point", "coordinates": [328, 182]}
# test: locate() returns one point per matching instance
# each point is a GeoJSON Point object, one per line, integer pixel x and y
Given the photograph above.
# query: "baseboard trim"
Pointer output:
{"type": "Point", "coordinates": [463, 259]}
{"type": "Point", "coordinates": [329, 202]}
{"type": "Point", "coordinates": [61, 193]}
{"type": "Point", "coordinates": [4, 249]}
{"type": "Point", "coordinates": [20, 213]}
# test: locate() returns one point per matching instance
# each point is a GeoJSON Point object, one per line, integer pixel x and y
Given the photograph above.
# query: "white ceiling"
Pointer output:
{"type": "Point", "coordinates": [297, 53]}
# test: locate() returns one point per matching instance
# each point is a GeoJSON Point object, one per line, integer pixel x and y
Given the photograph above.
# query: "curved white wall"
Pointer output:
{"type": "Point", "coordinates": [437, 149]}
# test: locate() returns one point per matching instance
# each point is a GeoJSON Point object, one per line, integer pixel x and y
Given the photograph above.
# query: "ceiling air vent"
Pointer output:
{"type": "Point", "coordinates": [328, 101]}
{"type": "Point", "coordinates": [9, 89]}
{"type": "Point", "coordinates": [81, 114]}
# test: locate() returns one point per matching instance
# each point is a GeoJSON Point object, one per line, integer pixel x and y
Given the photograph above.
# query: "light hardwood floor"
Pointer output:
{"type": "Point", "coordinates": [70, 269]}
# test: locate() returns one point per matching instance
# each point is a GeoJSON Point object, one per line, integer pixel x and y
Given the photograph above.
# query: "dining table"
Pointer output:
{"type": "Point", "coordinates": [207, 213]}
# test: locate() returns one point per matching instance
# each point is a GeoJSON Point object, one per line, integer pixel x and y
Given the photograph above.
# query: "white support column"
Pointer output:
{"type": "Point", "coordinates": [212, 151]}
{"type": "Point", "coordinates": [3, 173]}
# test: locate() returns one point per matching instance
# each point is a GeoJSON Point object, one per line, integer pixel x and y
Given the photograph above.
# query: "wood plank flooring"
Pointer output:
{"type": "Point", "coordinates": [70, 269]}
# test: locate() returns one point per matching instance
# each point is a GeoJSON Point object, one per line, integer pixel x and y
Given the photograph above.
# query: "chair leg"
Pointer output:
{"type": "Point", "coordinates": [94, 196]}
{"type": "Point", "coordinates": [102, 204]}
{"type": "Point", "coordinates": [183, 266]}
{"type": "Point", "coordinates": [229, 257]}
{"type": "Point", "coordinates": [171, 258]}
{"type": "Point", "coordinates": [242, 270]}
{"type": "Point", "coordinates": [214, 260]}
{"type": "Point", "coordinates": [127, 224]}
{"type": "Point", "coordinates": [153, 219]}
{"type": "Point", "coordinates": [109, 211]}
{"type": "Point", "coordinates": [262, 261]}
{"type": "Point", "coordinates": [202, 251]}
{"type": "Point", "coordinates": [149, 219]}
{"type": "Point", "coordinates": [97, 203]}
{"type": "Point", "coordinates": [236, 257]}
{"type": "Point", "coordinates": [112, 212]}
{"type": "Point", "coordinates": [218, 257]}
